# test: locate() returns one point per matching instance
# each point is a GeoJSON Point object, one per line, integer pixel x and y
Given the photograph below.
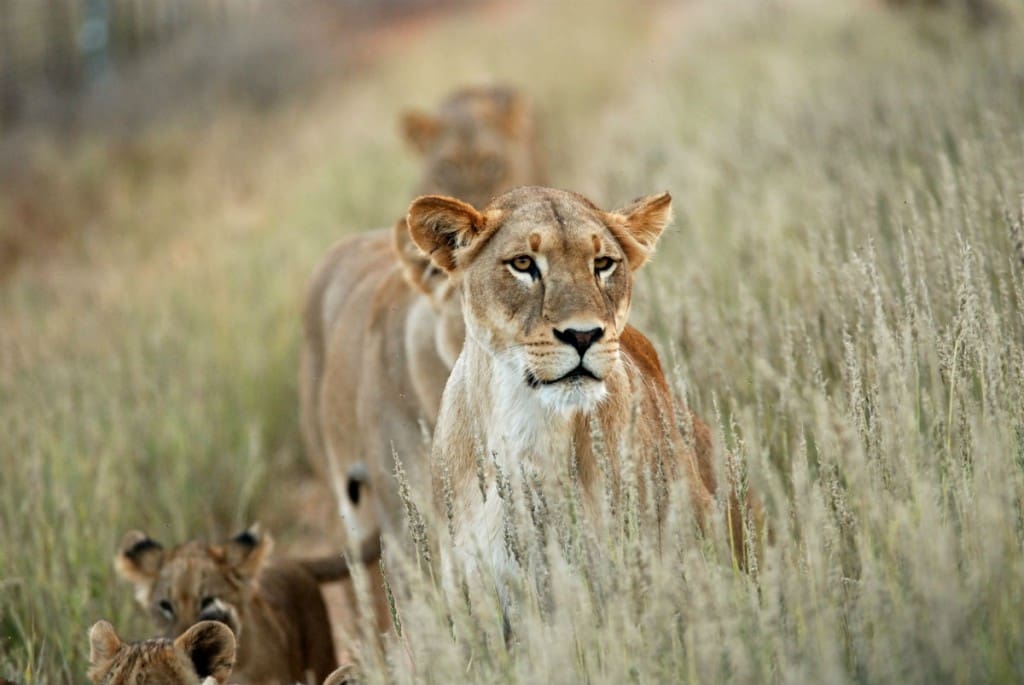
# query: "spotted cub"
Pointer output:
{"type": "Point", "coordinates": [205, 652]}
{"type": "Point", "coordinates": [274, 607]}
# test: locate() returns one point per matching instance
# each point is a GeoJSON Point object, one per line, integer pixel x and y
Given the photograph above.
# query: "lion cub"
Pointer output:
{"type": "Point", "coordinates": [206, 652]}
{"type": "Point", "coordinates": [382, 327]}
{"type": "Point", "coordinates": [274, 607]}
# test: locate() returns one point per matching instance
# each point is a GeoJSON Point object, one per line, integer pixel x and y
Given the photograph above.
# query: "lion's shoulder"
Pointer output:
{"type": "Point", "coordinates": [640, 351]}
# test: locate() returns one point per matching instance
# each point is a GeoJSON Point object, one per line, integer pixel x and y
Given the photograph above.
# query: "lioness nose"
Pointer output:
{"type": "Point", "coordinates": [581, 340]}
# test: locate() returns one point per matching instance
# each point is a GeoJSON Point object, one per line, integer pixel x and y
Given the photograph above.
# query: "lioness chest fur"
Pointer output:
{"type": "Point", "coordinates": [546, 280]}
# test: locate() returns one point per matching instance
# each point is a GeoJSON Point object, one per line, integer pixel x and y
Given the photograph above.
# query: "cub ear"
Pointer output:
{"type": "Point", "coordinates": [343, 675]}
{"type": "Point", "coordinates": [441, 226]}
{"type": "Point", "coordinates": [420, 130]}
{"type": "Point", "coordinates": [139, 559]}
{"type": "Point", "coordinates": [638, 226]}
{"type": "Point", "coordinates": [104, 644]}
{"type": "Point", "coordinates": [247, 551]}
{"type": "Point", "coordinates": [417, 268]}
{"type": "Point", "coordinates": [210, 646]}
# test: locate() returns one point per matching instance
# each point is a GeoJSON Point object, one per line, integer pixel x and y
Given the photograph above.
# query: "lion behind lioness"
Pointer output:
{"type": "Point", "coordinates": [547, 279]}
{"type": "Point", "coordinates": [382, 327]}
{"type": "Point", "coordinates": [482, 141]}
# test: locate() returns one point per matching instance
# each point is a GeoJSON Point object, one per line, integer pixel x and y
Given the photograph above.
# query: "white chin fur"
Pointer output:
{"type": "Point", "coordinates": [576, 394]}
{"type": "Point", "coordinates": [565, 397]}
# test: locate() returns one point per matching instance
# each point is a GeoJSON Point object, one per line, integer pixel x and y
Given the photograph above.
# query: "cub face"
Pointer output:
{"type": "Point", "coordinates": [195, 581]}
{"type": "Point", "coordinates": [480, 143]}
{"type": "Point", "coordinates": [205, 652]}
{"type": "Point", "coordinates": [546, 281]}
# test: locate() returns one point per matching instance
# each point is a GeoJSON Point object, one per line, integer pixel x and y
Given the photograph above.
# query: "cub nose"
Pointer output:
{"type": "Point", "coordinates": [581, 340]}
{"type": "Point", "coordinates": [215, 611]}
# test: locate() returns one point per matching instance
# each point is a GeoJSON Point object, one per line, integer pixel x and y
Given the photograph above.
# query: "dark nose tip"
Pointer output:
{"type": "Point", "coordinates": [581, 340]}
{"type": "Point", "coordinates": [215, 614]}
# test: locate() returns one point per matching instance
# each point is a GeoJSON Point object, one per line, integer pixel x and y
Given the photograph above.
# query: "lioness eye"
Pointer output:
{"type": "Point", "coordinates": [603, 264]}
{"type": "Point", "coordinates": [166, 607]}
{"type": "Point", "coordinates": [522, 263]}
{"type": "Point", "coordinates": [206, 601]}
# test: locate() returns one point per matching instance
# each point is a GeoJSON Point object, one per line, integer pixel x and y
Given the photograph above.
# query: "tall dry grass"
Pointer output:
{"type": "Point", "coordinates": [842, 299]}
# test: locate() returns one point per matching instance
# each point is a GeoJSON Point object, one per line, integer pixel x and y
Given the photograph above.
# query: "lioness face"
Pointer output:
{"type": "Point", "coordinates": [549, 294]}
{"type": "Point", "coordinates": [480, 143]}
{"type": "Point", "coordinates": [546, 280]}
{"type": "Point", "coordinates": [193, 582]}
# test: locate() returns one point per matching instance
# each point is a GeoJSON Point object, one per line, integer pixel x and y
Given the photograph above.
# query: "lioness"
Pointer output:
{"type": "Point", "coordinates": [482, 140]}
{"type": "Point", "coordinates": [382, 327]}
{"type": "Point", "coordinates": [546, 280]}
{"type": "Point", "coordinates": [206, 652]}
{"type": "Point", "coordinates": [274, 607]}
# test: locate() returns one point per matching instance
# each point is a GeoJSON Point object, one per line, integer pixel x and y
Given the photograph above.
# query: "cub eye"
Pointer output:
{"type": "Point", "coordinates": [522, 263]}
{"type": "Point", "coordinates": [167, 608]}
{"type": "Point", "coordinates": [206, 601]}
{"type": "Point", "coordinates": [603, 264]}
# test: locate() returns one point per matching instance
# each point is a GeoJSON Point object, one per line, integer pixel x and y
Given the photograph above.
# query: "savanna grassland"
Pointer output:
{"type": "Point", "coordinates": [841, 297]}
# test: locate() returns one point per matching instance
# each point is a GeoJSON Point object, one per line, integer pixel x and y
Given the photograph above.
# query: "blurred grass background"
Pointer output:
{"type": "Point", "coordinates": [840, 296]}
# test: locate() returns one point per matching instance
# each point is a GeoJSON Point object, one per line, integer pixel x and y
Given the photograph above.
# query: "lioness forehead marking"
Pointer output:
{"type": "Point", "coordinates": [535, 242]}
{"type": "Point", "coordinates": [597, 242]}
{"type": "Point", "coordinates": [559, 219]}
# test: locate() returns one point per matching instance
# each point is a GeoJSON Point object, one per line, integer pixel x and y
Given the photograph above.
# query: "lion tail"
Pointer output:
{"type": "Point", "coordinates": [335, 567]}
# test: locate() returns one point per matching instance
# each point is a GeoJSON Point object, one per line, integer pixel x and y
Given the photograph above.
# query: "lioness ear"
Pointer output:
{"type": "Point", "coordinates": [443, 225]}
{"type": "Point", "coordinates": [420, 130]}
{"type": "Point", "coordinates": [638, 226]}
{"type": "Point", "coordinates": [248, 550]}
{"type": "Point", "coordinates": [104, 644]}
{"type": "Point", "coordinates": [139, 559]}
{"type": "Point", "coordinates": [210, 646]}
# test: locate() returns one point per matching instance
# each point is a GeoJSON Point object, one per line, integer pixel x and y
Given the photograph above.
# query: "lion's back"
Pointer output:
{"type": "Point", "coordinates": [332, 297]}
{"type": "Point", "coordinates": [356, 388]}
